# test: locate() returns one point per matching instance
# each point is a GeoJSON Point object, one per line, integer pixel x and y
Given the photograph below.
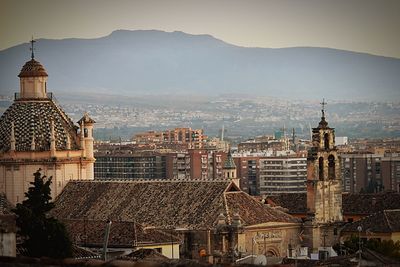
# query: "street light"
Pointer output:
{"type": "Point", "coordinates": [359, 229]}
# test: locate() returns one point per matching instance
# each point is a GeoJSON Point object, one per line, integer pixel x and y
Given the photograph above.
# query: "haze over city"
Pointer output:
{"type": "Point", "coordinates": [200, 133]}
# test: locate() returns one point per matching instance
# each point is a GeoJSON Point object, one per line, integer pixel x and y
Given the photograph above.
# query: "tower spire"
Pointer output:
{"type": "Point", "coordinates": [323, 104]}
{"type": "Point", "coordinates": [323, 123]}
{"type": "Point", "coordinates": [32, 48]}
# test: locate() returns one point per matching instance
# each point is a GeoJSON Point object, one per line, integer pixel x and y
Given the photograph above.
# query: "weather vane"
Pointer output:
{"type": "Point", "coordinates": [323, 107]}
{"type": "Point", "coordinates": [32, 48]}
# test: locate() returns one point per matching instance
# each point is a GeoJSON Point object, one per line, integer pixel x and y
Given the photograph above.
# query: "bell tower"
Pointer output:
{"type": "Point", "coordinates": [324, 189]}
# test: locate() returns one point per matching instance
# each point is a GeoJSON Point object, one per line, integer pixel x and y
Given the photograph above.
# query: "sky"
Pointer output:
{"type": "Point", "coordinates": [369, 26]}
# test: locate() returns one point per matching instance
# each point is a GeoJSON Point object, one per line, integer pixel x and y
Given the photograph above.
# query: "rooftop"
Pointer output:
{"type": "Point", "coordinates": [163, 204]}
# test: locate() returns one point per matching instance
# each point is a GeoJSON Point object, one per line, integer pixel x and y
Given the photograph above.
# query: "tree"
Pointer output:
{"type": "Point", "coordinates": [43, 236]}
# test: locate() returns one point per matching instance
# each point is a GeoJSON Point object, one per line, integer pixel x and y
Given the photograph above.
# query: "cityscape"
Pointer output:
{"type": "Point", "coordinates": [236, 173]}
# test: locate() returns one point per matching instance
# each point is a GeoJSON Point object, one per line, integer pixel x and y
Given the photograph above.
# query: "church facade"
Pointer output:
{"type": "Point", "coordinates": [35, 133]}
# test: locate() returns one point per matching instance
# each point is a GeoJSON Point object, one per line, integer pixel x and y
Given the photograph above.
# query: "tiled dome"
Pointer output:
{"type": "Point", "coordinates": [32, 68]}
{"type": "Point", "coordinates": [35, 118]}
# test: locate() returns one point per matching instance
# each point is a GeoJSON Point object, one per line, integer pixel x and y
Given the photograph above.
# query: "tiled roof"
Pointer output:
{"type": "Point", "coordinates": [90, 233]}
{"type": "Point", "coordinates": [162, 204]}
{"type": "Point", "coordinates": [86, 119]}
{"type": "Point", "coordinates": [386, 221]}
{"type": "Point", "coordinates": [32, 68]}
{"type": "Point", "coordinates": [370, 203]}
{"type": "Point", "coordinates": [294, 202]}
{"type": "Point", "coordinates": [82, 253]}
{"type": "Point", "coordinates": [34, 118]}
{"type": "Point", "coordinates": [146, 255]}
{"type": "Point", "coordinates": [353, 204]}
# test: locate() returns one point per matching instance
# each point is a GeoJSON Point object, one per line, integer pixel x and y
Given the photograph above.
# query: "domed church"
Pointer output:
{"type": "Point", "coordinates": [35, 133]}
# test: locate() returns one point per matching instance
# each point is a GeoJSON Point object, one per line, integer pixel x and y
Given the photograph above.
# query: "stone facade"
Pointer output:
{"type": "Point", "coordinates": [35, 133]}
{"type": "Point", "coordinates": [324, 188]}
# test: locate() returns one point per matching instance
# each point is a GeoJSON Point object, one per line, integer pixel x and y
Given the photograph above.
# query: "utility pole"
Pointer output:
{"type": "Point", "coordinates": [359, 229]}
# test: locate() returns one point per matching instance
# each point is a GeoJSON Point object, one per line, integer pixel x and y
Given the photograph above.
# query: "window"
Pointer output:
{"type": "Point", "coordinates": [331, 167]}
{"type": "Point", "coordinates": [321, 168]}
{"type": "Point", "coordinates": [326, 141]}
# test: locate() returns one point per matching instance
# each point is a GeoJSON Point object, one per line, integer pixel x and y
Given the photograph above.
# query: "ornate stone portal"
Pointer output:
{"type": "Point", "coordinates": [35, 133]}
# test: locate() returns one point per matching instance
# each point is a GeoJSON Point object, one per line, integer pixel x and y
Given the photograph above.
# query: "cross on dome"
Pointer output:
{"type": "Point", "coordinates": [32, 48]}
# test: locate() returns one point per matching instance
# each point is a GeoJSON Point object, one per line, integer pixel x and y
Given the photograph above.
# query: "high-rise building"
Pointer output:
{"type": "Point", "coordinates": [35, 133]}
{"type": "Point", "coordinates": [390, 168]}
{"type": "Point", "coordinates": [361, 172]}
{"type": "Point", "coordinates": [130, 166]}
{"type": "Point", "coordinates": [282, 175]}
{"type": "Point", "coordinates": [370, 173]}
{"type": "Point", "coordinates": [191, 138]}
{"type": "Point", "coordinates": [248, 171]}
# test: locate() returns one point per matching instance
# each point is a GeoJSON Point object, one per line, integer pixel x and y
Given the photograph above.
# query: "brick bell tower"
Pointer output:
{"type": "Point", "coordinates": [324, 188]}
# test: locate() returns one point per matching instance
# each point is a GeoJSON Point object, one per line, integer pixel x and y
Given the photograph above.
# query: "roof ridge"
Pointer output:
{"type": "Point", "coordinates": [226, 207]}
{"type": "Point", "coordinates": [387, 220]}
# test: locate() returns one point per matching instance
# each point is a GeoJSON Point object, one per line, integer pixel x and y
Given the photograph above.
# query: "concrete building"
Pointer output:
{"type": "Point", "coordinates": [192, 138]}
{"type": "Point", "coordinates": [390, 168]}
{"type": "Point", "coordinates": [130, 165]}
{"type": "Point", "coordinates": [282, 175]}
{"type": "Point", "coordinates": [368, 172]}
{"type": "Point", "coordinates": [206, 163]}
{"type": "Point", "coordinates": [178, 166]}
{"type": "Point", "coordinates": [35, 133]}
{"type": "Point", "coordinates": [247, 168]}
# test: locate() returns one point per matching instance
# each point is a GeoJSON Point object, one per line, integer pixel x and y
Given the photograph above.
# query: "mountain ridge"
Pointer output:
{"type": "Point", "coordinates": [151, 61]}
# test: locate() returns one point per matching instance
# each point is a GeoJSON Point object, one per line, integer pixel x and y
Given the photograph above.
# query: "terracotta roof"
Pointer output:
{"type": "Point", "coordinates": [90, 233]}
{"type": "Point", "coordinates": [386, 221]}
{"type": "Point", "coordinates": [86, 119]}
{"type": "Point", "coordinates": [370, 203]}
{"type": "Point", "coordinates": [162, 204]}
{"type": "Point", "coordinates": [146, 255]}
{"type": "Point", "coordinates": [353, 204]}
{"type": "Point", "coordinates": [33, 118]}
{"type": "Point", "coordinates": [32, 68]}
{"type": "Point", "coordinates": [294, 202]}
{"type": "Point", "coordinates": [82, 253]}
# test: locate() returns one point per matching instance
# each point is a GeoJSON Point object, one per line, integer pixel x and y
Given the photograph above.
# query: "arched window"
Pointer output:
{"type": "Point", "coordinates": [331, 167]}
{"type": "Point", "coordinates": [85, 132]}
{"type": "Point", "coordinates": [326, 141]}
{"type": "Point", "coordinates": [321, 168]}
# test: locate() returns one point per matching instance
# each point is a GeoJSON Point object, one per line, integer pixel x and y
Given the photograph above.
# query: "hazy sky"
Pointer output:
{"type": "Point", "coordinates": [357, 25]}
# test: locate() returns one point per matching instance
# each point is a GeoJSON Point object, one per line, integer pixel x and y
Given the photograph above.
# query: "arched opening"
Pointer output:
{"type": "Point", "coordinates": [326, 141]}
{"type": "Point", "coordinates": [331, 167]}
{"type": "Point", "coordinates": [321, 168]}
{"type": "Point", "coordinates": [85, 132]}
{"type": "Point", "coordinates": [272, 252]}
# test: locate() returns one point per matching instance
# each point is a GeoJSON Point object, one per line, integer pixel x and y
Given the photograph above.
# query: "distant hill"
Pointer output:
{"type": "Point", "coordinates": [156, 62]}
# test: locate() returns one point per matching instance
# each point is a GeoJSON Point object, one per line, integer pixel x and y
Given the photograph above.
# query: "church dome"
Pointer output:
{"type": "Point", "coordinates": [32, 122]}
{"type": "Point", "coordinates": [32, 68]}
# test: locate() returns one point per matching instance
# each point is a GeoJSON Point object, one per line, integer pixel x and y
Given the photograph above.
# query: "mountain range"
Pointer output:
{"type": "Point", "coordinates": [155, 62]}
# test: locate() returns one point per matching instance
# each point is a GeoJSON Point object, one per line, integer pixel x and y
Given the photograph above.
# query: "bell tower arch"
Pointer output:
{"type": "Point", "coordinates": [324, 188]}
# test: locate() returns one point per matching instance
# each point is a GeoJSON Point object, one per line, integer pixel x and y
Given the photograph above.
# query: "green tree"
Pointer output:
{"type": "Point", "coordinates": [43, 236]}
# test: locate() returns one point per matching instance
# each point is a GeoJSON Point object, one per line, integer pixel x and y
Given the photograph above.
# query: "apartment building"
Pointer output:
{"type": "Point", "coordinates": [282, 175]}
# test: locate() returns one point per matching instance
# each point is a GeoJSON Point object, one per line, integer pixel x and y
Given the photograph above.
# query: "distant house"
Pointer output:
{"type": "Point", "coordinates": [213, 218]}
{"type": "Point", "coordinates": [124, 237]}
{"type": "Point", "coordinates": [383, 225]}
